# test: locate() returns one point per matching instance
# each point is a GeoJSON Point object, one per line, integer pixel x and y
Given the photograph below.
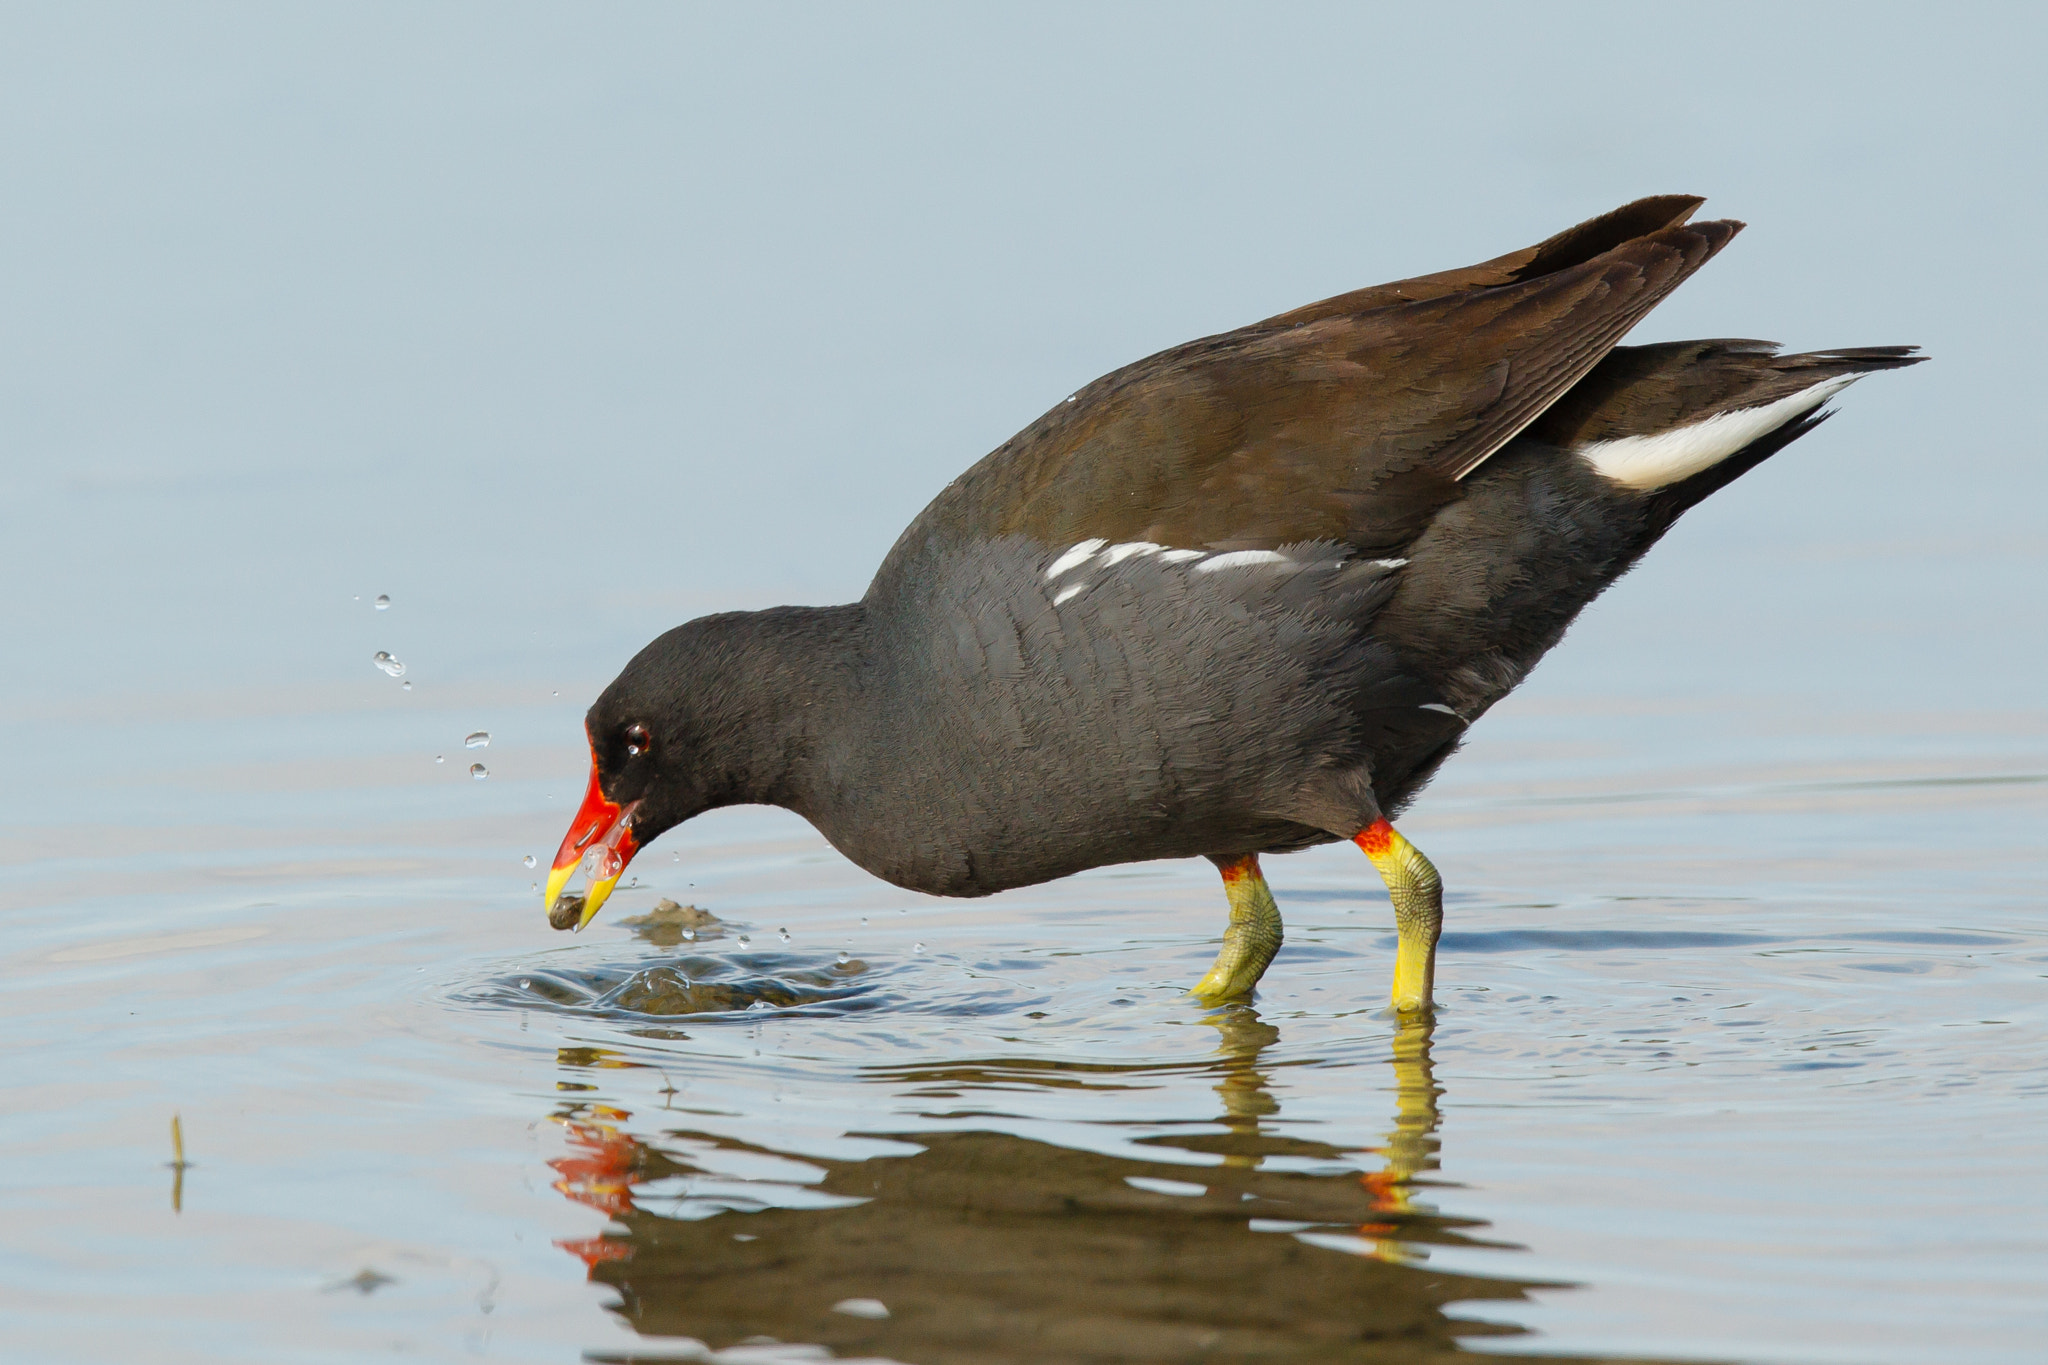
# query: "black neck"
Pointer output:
{"type": "Point", "coordinates": [773, 688]}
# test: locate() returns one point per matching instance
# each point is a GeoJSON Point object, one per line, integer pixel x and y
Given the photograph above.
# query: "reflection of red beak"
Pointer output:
{"type": "Point", "coordinates": [603, 827]}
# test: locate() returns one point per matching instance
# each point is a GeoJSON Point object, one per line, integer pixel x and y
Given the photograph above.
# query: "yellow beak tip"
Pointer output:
{"type": "Point", "coordinates": [594, 896]}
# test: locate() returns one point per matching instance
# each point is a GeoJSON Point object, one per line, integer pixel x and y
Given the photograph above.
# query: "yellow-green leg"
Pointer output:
{"type": "Point", "coordinates": [1252, 937]}
{"type": "Point", "coordinates": [1418, 896]}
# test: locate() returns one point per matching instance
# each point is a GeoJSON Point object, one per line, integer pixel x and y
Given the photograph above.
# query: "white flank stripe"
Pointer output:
{"type": "Point", "coordinates": [1064, 593]}
{"type": "Point", "coordinates": [1117, 554]}
{"type": "Point", "coordinates": [1647, 463]}
{"type": "Point", "coordinates": [1075, 557]}
{"type": "Point", "coordinates": [1240, 559]}
{"type": "Point", "coordinates": [1181, 556]}
{"type": "Point", "coordinates": [1436, 706]}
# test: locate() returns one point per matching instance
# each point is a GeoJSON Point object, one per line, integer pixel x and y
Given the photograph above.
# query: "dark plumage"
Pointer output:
{"type": "Point", "coordinates": [1242, 596]}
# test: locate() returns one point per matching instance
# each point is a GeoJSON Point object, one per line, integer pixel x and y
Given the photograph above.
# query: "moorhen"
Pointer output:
{"type": "Point", "coordinates": [1241, 597]}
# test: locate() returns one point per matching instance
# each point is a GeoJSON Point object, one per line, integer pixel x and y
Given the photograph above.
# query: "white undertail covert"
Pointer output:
{"type": "Point", "coordinates": [1647, 463]}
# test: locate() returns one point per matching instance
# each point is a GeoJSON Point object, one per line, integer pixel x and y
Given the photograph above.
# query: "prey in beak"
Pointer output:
{"type": "Point", "coordinates": [600, 839]}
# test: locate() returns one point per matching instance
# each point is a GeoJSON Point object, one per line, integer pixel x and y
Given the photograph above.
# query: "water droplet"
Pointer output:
{"type": "Point", "coordinates": [479, 771]}
{"type": "Point", "coordinates": [554, 694]}
{"type": "Point", "coordinates": [745, 942]}
{"type": "Point", "coordinates": [406, 686]}
{"type": "Point", "coordinates": [383, 601]}
{"type": "Point", "coordinates": [533, 886]}
{"type": "Point", "coordinates": [904, 911]}
{"type": "Point", "coordinates": [525, 983]}
{"type": "Point", "coordinates": [844, 959]}
{"type": "Point", "coordinates": [784, 934]}
{"type": "Point", "coordinates": [917, 947]}
{"type": "Point", "coordinates": [873, 1309]}
{"type": "Point", "coordinates": [389, 664]}
{"type": "Point", "coordinates": [528, 860]}
{"type": "Point", "coordinates": [478, 739]}
{"type": "Point", "coordinates": [357, 598]}
{"type": "Point", "coordinates": [863, 921]}
{"type": "Point", "coordinates": [440, 758]}
{"type": "Point", "coordinates": [630, 885]}
{"type": "Point", "coordinates": [689, 935]}
{"type": "Point", "coordinates": [675, 857]}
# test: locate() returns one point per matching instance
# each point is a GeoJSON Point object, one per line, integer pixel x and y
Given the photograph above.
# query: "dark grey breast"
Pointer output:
{"type": "Point", "coordinates": [1040, 714]}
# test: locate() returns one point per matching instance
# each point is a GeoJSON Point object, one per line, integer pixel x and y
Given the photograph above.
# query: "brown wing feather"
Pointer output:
{"type": "Point", "coordinates": [1569, 247]}
{"type": "Point", "coordinates": [1325, 425]}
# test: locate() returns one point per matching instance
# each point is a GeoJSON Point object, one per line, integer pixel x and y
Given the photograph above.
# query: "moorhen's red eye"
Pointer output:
{"type": "Point", "coordinates": [638, 741]}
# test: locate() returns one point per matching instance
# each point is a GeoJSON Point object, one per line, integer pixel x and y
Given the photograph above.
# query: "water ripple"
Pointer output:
{"type": "Point", "coordinates": [696, 985]}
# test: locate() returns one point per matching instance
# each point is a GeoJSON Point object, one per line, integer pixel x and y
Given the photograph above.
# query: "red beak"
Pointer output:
{"type": "Point", "coordinates": [605, 827]}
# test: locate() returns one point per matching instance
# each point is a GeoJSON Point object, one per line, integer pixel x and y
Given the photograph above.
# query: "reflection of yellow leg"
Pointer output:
{"type": "Point", "coordinates": [1245, 1097]}
{"type": "Point", "coordinates": [1418, 896]}
{"type": "Point", "coordinates": [1252, 938]}
{"type": "Point", "coordinates": [1411, 1145]}
{"type": "Point", "coordinates": [1246, 1100]}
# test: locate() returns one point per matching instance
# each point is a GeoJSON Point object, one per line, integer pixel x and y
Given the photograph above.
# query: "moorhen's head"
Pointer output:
{"type": "Point", "coordinates": [661, 747]}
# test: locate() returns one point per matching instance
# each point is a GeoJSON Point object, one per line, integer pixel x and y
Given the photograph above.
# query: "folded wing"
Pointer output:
{"type": "Point", "coordinates": [1348, 421]}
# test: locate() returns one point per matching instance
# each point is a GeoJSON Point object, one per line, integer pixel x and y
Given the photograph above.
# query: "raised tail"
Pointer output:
{"type": "Point", "coordinates": [1682, 419]}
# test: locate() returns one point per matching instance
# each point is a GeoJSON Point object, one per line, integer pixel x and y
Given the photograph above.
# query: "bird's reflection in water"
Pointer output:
{"type": "Point", "coordinates": [1240, 1243]}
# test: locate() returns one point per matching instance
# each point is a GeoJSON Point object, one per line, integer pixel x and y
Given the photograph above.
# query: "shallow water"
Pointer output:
{"type": "Point", "coordinates": [1733, 1060]}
